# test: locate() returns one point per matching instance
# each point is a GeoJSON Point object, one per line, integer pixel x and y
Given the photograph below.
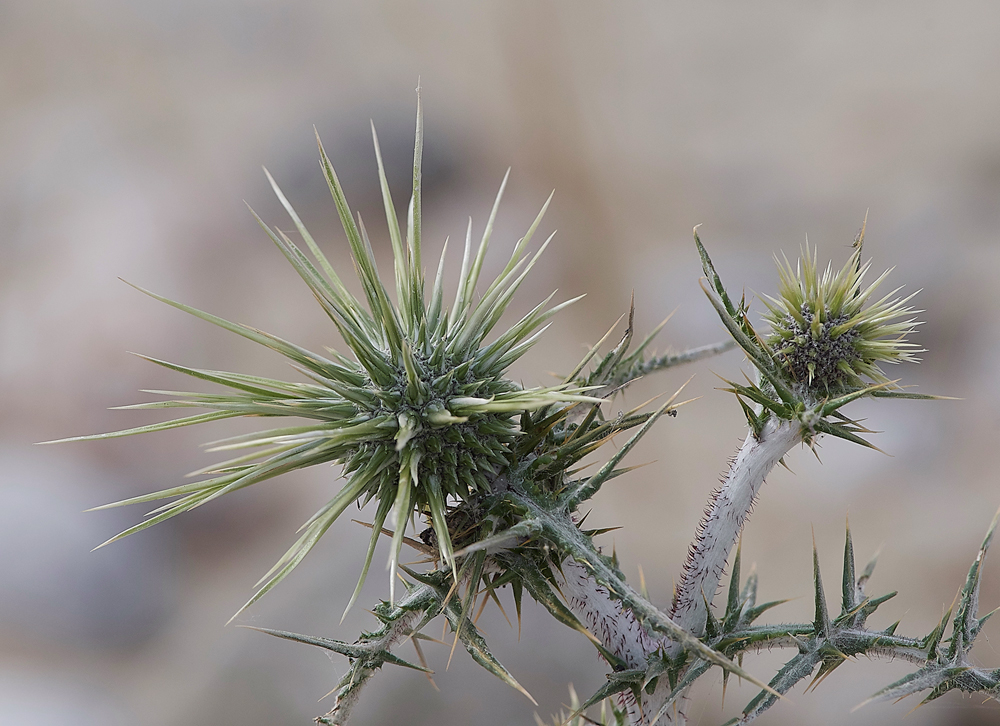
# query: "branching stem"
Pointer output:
{"type": "Point", "coordinates": [400, 627]}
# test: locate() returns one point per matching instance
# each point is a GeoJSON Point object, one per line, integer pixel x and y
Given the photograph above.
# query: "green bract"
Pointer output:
{"type": "Point", "coordinates": [824, 336]}
{"type": "Point", "coordinates": [420, 413]}
{"type": "Point", "coordinates": [824, 343]}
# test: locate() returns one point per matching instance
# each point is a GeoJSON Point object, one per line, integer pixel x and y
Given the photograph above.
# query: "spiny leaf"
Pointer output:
{"type": "Point", "coordinates": [733, 604]}
{"type": "Point", "coordinates": [618, 682]}
{"type": "Point", "coordinates": [849, 598]}
{"type": "Point", "coordinates": [525, 529]}
{"type": "Point", "coordinates": [966, 625]}
{"type": "Point", "coordinates": [374, 658]}
{"type": "Point", "coordinates": [822, 618]}
{"type": "Point", "coordinates": [798, 668]}
{"type": "Point", "coordinates": [407, 469]}
{"type": "Point", "coordinates": [693, 672]}
{"type": "Point", "coordinates": [331, 274]}
{"type": "Point", "coordinates": [735, 323]}
{"type": "Point", "coordinates": [927, 677]}
{"type": "Point", "coordinates": [164, 426]}
{"type": "Point", "coordinates": [841, 432]}
{"type": "Point", "coordinates": [475, 644]}
{"type": "Point", "coordinates": [400, 256]}
{"type": "Point", "coordinates": [590, 487]}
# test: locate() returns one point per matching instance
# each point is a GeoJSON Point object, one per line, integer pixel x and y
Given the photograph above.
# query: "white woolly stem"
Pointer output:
{"type": "Point", "coordinates": [616, 627]}
{"type": "Point", "coordinates": [728, 509]}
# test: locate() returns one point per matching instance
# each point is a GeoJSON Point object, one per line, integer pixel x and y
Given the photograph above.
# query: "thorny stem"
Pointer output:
{"type": "Point", "coordinates": [398, 629]}
{"type": "Point", "coordinates": [670, 360]}
{"type": "Point", "coordinates": [728, 509]}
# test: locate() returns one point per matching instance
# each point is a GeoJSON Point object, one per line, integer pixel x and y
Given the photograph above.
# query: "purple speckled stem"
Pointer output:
{"type": "Point", "coordinates": [616, 627]}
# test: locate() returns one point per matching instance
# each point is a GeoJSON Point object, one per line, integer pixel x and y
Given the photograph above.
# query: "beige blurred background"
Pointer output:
{"type": "Point", "coordinates": [130, 133]}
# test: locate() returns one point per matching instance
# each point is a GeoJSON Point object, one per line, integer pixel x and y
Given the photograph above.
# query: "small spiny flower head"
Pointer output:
{"type": "Point", "coordinates": [827, 334]}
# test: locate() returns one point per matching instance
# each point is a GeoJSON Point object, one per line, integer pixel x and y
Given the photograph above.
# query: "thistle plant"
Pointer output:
{"type": "Point", "coordinates": [418, 413]}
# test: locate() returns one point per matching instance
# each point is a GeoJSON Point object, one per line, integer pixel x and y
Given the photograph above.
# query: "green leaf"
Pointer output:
{"type": "Point", "coordinates": [733, 604]}
{"type": "Point", "coordinates": [849, 599]}
{"type": "Point", "coordinates": [821, 622]}
{"type": "Point", "coordinates": [300, 355]}
{"type": "Point", "coordinates": [303, 546]}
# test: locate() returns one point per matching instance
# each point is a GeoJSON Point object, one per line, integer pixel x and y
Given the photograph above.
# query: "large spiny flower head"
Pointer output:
{"type": "Point", "coordinates": [827, 334]}
{"type": "Point", "coordinates": [419, 415]}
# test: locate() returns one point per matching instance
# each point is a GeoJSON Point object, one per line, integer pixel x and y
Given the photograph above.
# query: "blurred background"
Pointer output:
{"type": "Point", "coordinates": [131, 133]}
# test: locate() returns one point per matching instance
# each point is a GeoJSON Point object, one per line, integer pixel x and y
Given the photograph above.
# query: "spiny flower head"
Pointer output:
{"type": "Point", "coordinates": [420, 413]}
{"type": "Point", "coordinates": [825, 332]}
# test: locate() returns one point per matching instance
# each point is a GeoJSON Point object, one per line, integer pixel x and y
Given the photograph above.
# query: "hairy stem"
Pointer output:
{"type": "Point", "coordinates": [727, 510]}
{"type": "Point", "coordinates": [614, 625]}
